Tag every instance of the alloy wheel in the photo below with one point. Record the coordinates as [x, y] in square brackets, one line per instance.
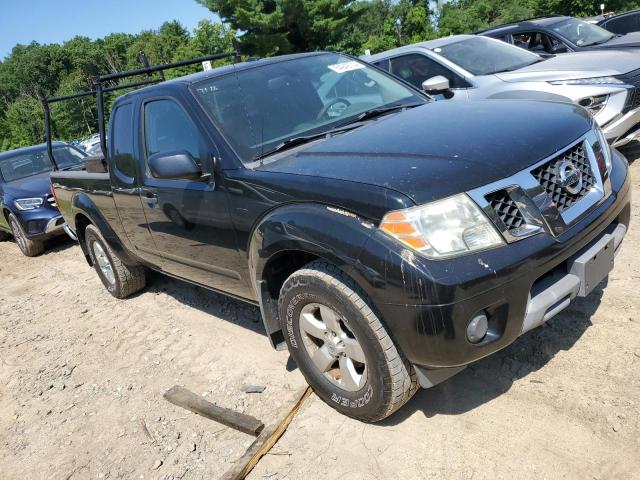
[104, 263]
[332, 347]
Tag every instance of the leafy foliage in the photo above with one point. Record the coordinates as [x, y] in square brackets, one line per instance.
[68, 68]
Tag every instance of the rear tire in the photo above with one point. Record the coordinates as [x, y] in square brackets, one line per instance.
[119, 279]
[341, 344]
[30, 248]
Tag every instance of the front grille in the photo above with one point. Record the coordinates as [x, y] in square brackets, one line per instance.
[548, 177]
[633, 99]
[506, 209]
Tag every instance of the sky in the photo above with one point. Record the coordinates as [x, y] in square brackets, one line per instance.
[54, 21]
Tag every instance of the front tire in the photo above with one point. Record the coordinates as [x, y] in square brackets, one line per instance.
[30, 248]
[341, 345]
[118, 278]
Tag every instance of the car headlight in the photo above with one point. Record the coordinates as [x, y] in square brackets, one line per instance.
[589, 81]
[602, 150]
[28, 203]
[594, 104]
[442, 229]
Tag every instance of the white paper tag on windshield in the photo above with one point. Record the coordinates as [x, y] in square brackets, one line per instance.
[346, 66]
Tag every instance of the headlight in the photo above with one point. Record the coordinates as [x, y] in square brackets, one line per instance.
[589, 81]
[446, 228]
[602, 150]
[594, 104]
[28, 203]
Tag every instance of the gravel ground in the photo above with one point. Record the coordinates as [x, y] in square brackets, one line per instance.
[82, 377]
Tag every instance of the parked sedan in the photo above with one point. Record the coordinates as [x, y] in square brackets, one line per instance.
[28, 209]
[468, 67]
[559, 34]
[622, 23]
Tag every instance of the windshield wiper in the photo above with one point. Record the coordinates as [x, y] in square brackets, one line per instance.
[376, 112]
[352, 123]
[295, 141]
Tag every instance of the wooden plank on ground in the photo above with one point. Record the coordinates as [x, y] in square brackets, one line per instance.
[184, 398]
[266, 440]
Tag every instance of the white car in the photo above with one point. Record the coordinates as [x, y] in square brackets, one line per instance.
[469, 67]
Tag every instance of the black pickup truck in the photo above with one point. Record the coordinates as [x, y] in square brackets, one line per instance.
[388, 240]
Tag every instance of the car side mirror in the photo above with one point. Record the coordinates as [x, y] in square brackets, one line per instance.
[179, 165]
[437, 84]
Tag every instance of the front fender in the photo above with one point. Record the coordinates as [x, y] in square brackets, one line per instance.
[323, 231]
[82, 204]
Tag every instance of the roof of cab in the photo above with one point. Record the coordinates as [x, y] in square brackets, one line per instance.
[187, 80]
[29, 149]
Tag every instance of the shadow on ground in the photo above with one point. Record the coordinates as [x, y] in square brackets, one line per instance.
[207, 301]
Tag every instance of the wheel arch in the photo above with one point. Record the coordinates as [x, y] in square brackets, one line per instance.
[288, 238]
[84, 213]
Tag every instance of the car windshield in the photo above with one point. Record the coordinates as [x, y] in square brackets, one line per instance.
[582, 33]
[24, 165]
[260, 108]
[485, 56]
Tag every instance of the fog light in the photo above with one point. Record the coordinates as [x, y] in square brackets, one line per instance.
[477, 328]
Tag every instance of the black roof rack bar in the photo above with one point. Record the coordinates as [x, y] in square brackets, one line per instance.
[91, 93]
[165, 66]
[98, 90]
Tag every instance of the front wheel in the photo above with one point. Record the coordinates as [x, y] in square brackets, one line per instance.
[119, 279]
[30, 248]
[341, 345]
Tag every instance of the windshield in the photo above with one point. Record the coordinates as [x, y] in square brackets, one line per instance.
[485, 56]
[582, 33]
[259, 108]
[24, 165]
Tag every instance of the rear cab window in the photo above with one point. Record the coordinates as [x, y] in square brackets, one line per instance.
[122, 140]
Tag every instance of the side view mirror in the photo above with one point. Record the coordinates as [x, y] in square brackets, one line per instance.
[174, 165]
[437, 84]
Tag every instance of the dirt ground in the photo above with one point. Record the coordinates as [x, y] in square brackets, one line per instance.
[82, 377]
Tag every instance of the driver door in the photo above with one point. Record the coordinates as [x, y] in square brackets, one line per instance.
[188, 219]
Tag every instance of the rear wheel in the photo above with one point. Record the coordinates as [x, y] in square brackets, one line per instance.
[30, 248]
[119, 279]
[342, 346]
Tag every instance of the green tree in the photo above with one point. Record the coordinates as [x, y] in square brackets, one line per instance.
[284, 26]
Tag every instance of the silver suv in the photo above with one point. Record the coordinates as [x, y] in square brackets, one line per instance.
[469, 67]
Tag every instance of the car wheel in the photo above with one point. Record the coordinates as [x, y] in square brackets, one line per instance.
[119, 279]
[30, 248]
[341, 344]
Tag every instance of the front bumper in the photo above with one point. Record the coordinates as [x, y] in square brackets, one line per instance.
[427, 305]
[41, 223]
[623, 130]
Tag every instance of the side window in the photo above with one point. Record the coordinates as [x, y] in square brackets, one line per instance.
[122, 140]
[416, 68]
[539, 42]
[622, 25]
[383, 64]
[168, 128]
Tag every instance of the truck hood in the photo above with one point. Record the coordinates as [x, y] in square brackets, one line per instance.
[33, 186]
[596, 63]
[441, 148]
